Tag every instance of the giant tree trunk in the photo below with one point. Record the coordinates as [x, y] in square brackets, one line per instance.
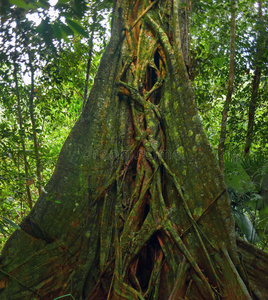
[137, 207]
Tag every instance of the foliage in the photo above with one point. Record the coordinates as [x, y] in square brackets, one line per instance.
[4, 222]
[59, 55]
[210, 30]
[245, 180]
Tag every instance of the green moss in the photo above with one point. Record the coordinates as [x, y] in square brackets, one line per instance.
[187, 197]
[195, 118]
[180, 151]
[151, 124]
[198, 138]
[197, 211]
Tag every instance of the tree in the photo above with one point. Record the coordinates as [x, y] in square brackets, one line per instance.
[32, 110]
[137, 207]
[230, 91]
[255, 85]
[210, 56]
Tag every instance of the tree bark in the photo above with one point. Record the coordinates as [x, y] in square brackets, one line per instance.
[184, 31]
[137, 207]
[254, 95]
[252, 109]
[229, 91]
[26, 169]
[36, 146]
[90, 50]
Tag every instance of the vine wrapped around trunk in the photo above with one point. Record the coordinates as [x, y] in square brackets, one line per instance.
[137, 207]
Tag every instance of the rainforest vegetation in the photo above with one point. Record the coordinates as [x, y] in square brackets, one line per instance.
[134, 149]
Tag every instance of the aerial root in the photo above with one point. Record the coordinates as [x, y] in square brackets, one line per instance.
[136, 232]
[132, 239]
[235, 272]
[194, 224]
[175, 237]
[180, 283]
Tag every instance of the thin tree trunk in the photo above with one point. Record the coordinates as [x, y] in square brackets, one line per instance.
[254, 95]
[36, 146]
[252, 109]
[137, 207]
[229, 91]
[20, 183]
[90, 50]
[27, 185]
[185, 37]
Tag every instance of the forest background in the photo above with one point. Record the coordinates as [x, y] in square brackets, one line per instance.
[49, 54]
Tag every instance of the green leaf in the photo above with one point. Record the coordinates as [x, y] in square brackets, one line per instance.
[45, 29]
[235, 175]
[57, 31]
[2, 229]
[12, 224]
[263, 215]
[62, 2]
[80, 7]
[77, 27]
[19, 3]
[44, 3]
[66, 30]
[246, 227]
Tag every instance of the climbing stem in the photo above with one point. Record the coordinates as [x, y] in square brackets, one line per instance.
[195, 226]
